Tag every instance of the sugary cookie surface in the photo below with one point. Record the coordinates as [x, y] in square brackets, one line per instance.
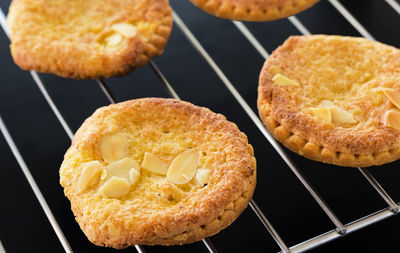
[334, 99]
[87, 39]
[157, 171]
[253, 10]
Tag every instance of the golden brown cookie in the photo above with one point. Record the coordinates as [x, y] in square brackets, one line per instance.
[157, 171]
[333, 99]
[253, 10]
[87, 39]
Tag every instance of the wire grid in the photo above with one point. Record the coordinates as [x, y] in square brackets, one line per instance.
[340, 230]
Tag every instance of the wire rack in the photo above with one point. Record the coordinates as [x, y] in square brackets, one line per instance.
[340, 228]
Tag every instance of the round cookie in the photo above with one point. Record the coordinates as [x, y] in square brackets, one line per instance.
[87, 39]
[253, 10]
[157, 171]
[333, 99]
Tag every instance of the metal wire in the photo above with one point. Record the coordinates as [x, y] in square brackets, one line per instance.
[106, 90]
[269, 226]
[395, 5]
[250, 37]
[379, 189]
[299, 25]
[351, 227]
[35, 188]
[209, 245]
[351, 19]
[163, 80]
[2, 249]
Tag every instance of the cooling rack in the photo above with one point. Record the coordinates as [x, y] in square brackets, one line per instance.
[340, 229]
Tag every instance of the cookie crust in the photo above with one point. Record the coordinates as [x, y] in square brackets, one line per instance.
[348, 71]
[165, 127]
[253, 10]
[67, 37]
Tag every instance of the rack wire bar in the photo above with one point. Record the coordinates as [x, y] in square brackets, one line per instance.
[268, 225]
[299, 25]
[351, 19]
[34, 187]
[351, 227]
[163, 80]
[395, 5]
[250, 37]
[2, 249]
[106, 90]
[379, 189]
[258, 123]
[210, 246]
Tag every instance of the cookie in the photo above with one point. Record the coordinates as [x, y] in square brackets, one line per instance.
[253, 10]
[87, 39]
[157, 171]
[333, 99]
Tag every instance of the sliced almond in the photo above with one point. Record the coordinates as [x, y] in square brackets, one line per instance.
[273, 70]
[114, 147]
[340, 116]
[134, 176]
[392, 119]
[90, 174]
[183, 167]
[326, 103]
[103, 174]
[125, 29]
[202, 177]
[393, 95]
[121, 169]
[113, 40]
[322, 113]
[153, 164]
[115, 187]
[279, 79]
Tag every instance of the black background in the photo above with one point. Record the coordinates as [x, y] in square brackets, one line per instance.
[296, 216]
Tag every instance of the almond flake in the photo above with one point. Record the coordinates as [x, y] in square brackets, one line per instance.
[340, 116]
[90, 174]
[279, 79]
[322, 113]
[183, 167]
[153, 164]
[121, 169]
[392, 119]
[113, 40]
[134, 176]
[393, 95]
[125, 29]
[202, 177]
[114, 147]
[115, 187]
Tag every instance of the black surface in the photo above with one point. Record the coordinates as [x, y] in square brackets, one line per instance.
[296, 216]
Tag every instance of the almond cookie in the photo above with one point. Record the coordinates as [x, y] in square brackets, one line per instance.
[333, 99]
[253, 10]
[157, 171]
[87, 39]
